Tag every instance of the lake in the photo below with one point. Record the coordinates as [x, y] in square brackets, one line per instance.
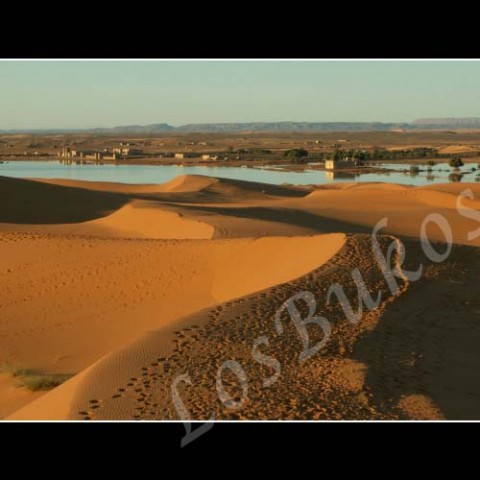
[441, 173]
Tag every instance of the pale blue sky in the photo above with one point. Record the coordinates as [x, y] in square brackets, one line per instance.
[69, 94]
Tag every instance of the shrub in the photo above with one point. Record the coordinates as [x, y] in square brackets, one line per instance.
[35, 380]
[42, 381]
[298, 155]
[456, 162]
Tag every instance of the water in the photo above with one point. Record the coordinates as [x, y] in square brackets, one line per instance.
[161, 174]
[439, 173]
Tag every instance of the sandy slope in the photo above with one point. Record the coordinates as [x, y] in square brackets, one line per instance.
[129, 381]
[68, 300]
[81, 293]
[13, 396]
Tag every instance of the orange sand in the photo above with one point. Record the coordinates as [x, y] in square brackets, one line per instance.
[88, 268]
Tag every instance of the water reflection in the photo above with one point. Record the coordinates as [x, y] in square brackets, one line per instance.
[455, 177]
[440, 173]
[340, 176]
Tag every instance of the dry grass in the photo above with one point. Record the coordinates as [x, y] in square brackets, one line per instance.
[34, 380]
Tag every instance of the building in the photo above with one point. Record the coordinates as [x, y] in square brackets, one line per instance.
[127, 151]
[207, 156]
[65, 152]
[92, 156]
[338, 164]
[186, 155]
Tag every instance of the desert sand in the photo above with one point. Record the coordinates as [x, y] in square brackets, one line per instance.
[125, 287]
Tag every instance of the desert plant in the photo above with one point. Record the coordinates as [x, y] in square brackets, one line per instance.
[35, 380]
[337, 155]
[41, 381]
[296, 153]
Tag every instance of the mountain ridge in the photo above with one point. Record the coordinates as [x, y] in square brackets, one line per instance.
[252, 127]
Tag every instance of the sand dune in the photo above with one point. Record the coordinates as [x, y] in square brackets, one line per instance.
[189, 183]
[144, 219]
[13, 396]
[454, 188]
[211, 188]
[137, 219]
[405, 208]
[272, 210]
[112, 187]
[101, 280]
[457, 149]
[68, 300]
[24, 201]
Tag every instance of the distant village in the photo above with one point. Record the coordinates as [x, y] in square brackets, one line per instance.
[124, 152]
[339, 157]
[97, 155]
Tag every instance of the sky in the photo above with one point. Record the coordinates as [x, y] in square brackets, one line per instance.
[85, 94]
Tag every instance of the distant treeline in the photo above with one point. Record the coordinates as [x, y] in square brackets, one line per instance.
[384, 154]
[409, 154]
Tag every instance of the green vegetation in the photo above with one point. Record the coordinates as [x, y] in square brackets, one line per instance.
[254, 151]
[35, 380]
[414, 169]
[298, 155]
[456, 162]
[383, 154]
[42, 381]
[431, 163]
[359, 155]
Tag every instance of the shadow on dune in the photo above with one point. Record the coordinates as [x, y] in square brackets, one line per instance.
[425, 345]
[222, 193]
[292, 217]
[228, 187]
[30, 202]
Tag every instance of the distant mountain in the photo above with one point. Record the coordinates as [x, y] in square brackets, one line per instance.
[288, 127]
[146, 129]
[454, 123]
[159, 128]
